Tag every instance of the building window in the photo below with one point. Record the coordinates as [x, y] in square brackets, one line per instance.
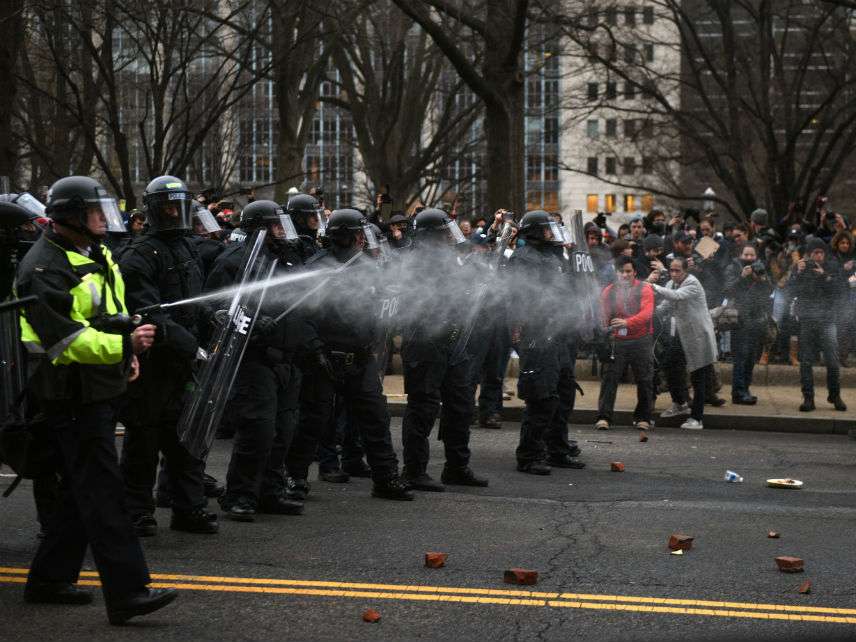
[629, 165]
[630, 90]
[611, 16]
[592, 90]
[649, 89]
[610, 165]
[551, 130]
[591, 165]
[647, 202]
[630, 202]
[611, 91]
[649, 53]
[591, 203]
[647, 165]
[592, 128]
[648, 15]
[609, 202]
[630, 128]
[611, 127]
[630, 16]
[629, 54]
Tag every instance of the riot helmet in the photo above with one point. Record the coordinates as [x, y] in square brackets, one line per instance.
[73, 198]
[434, 226]
[349, 227]
[307, 214]
[168, 205]
[269, 215]
[204, 221]
[538, 227]
[27, 201]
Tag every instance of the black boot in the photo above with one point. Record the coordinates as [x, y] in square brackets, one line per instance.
[493, 421]
[534, 468]
[38, 592]
[462, 477]
[280, 505]
[198, 521]
[358, 468]
[392, 488]
[241, 510]
[807, 404]
[146, 601]
[336, 476]
[838, 402]
[296, 489]
[564, 461]
[145, 525]
[423, 481]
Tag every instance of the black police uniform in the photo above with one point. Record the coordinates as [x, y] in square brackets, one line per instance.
[162, 267]
[343, 341]
[435, 373]
[545, 382]
[265, 400]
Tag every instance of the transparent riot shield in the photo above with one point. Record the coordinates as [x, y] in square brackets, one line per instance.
[584, 283]
[13, 375]
[204, 409]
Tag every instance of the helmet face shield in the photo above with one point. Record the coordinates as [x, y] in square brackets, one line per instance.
[556, 234]
[372, 242]
[206, 220]
[456, 233]
[288, 227]
[170, 211]
[111, 213]
[31, 204]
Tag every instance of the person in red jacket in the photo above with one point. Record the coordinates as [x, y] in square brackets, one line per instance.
[628, 311]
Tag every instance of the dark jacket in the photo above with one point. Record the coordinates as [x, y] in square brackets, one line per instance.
[818, 295]
[73, 360]
[750, 295]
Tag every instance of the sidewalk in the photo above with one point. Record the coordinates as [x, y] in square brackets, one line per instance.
[776, 409]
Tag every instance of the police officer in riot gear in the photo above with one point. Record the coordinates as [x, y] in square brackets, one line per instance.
[265, 400]
[539, 328]
[308, 217]
[162, 266]
[345, 333]
[79, 373]
[435, 371]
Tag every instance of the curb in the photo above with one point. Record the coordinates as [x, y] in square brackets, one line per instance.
[712, 420]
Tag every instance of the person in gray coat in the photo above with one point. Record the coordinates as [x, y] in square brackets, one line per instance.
[693, 343]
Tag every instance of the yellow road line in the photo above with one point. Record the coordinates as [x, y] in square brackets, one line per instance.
[476, 596]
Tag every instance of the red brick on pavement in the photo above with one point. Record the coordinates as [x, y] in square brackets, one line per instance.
[435, 560]
[789, 564]
[520, 576]
[680, 542]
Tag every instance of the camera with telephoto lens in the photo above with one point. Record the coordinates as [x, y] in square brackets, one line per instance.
[759, 269]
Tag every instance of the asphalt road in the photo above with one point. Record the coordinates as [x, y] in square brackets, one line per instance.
[592, 535]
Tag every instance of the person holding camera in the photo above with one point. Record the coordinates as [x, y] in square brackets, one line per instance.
[818, 285]
[748, 287]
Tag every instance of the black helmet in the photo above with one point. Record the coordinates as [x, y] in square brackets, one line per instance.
[27, 201]
[70, 197]
[301, 207]
[345, 224]
[168, 204]
[260, 214]
[533, 224]
[434, 224]
[12, 215]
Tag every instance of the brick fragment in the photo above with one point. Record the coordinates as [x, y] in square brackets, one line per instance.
[789, 564]
[617, 467]
[679, 541]
[520, 576]
[773, 535]
[805, 587]
[435, 560]
[643, 437]
[371, 616]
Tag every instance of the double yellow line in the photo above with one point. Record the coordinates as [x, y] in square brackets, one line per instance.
[463, 595]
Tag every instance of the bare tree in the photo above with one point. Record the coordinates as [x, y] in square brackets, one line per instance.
[404, 100]
[488, 58]
[11, 39]
[144, 84]
[758, 100]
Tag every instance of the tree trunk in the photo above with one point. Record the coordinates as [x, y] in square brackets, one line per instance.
[11, 38]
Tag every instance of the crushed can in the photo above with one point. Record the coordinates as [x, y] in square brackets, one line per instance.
[731, 476]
